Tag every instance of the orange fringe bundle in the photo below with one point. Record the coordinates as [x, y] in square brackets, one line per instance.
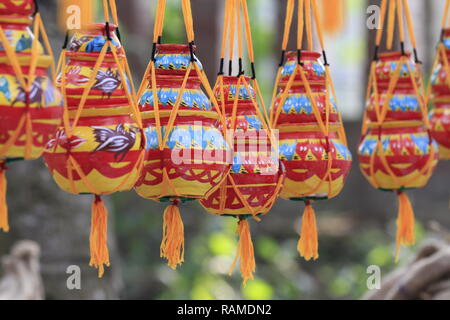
[308, 244]
[3, 204]
[98, 237]
[245, 252]
[172, 245]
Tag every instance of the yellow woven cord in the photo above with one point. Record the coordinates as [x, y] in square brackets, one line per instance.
[287, 27]
[405, 223]
[172, 245]
[3, 204]
[446, 14]
[382, 22]
[245, 252]
[399, 9]
[236, 18]
[25, 121]
[308, 25]
[308, 244]
[98, 237]
[311, 10]
[242, 80]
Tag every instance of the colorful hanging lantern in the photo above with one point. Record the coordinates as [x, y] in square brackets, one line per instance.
[396, 150]
[440, 92]
[186, 154]
[100, 148]
[255, 179]
[313, 147]
[30, 106]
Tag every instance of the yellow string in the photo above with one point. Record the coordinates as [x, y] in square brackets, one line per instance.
[391, 25]
[308, 24]
[382, 20]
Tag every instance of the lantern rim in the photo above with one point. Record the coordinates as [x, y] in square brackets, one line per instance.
[174, 48]
[393, 55]
[308, 54]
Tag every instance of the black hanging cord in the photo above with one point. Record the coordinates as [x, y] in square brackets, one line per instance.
[191, 50]
[253, 70]
[375, 56]
[283, 55]
[107, 31]
[66, 40]
[402, 48]
[36, 7]
[230, 67]
[325, 59]
[220, 73]
[154, 51]
[299, 57]
[118, 34]
[159, 39]
[241, 69]
[416, 56]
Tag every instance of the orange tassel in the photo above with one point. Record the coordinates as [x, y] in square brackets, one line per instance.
[405, 223]
[308, 245]
[172, 245]
[99, 236]
[3, 205]
[245, 252]
[332, 16]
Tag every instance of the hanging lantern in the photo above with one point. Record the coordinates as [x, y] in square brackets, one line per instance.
[100, 148]
[313, 147]
[440, 94]
[396, 150]
[30, 106]
[186, 154]
[254, 181]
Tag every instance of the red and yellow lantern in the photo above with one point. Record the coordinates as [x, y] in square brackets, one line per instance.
[100, 148]
[186, 154]
[30, 106]
[440, 93]
[313, 146]
[255, 179]
[397, 151]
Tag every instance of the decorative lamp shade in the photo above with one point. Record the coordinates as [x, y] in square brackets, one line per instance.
[313, 146]
[303, 146]
[172, 172]
[440, 97]
[251, 187]
[186, 154]
[396, 151]
[30, 106]
[255, 179]
[106, 142]
[100, 149]
[405, 156]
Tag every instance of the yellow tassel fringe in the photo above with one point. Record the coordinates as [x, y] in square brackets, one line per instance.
[308, 245]
[245, 252]
[405, 223]
[99, 236]
[4, 225]
[172, 245]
